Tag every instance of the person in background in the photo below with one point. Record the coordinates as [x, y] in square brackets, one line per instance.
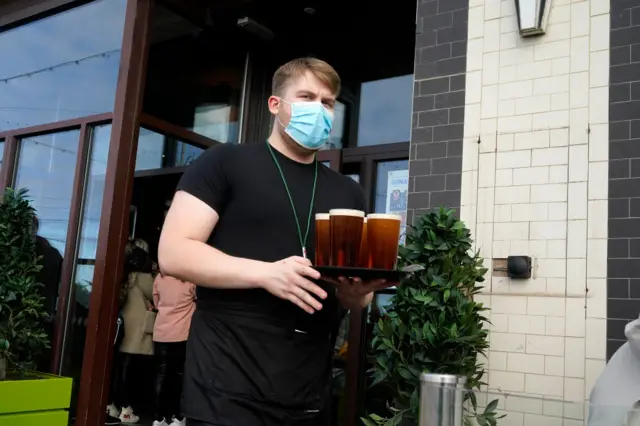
[175, 302]
[615, 398]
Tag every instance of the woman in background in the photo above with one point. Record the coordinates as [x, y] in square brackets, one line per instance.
[175, 302]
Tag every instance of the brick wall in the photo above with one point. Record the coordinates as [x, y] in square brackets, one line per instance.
[534, 182]
[438, 105]
[624, 171]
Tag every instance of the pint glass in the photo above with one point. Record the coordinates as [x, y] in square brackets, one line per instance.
[323, 240]
[383, 233]
[363, 256]
[346, 236]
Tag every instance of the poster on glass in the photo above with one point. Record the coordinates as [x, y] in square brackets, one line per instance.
[397, 194]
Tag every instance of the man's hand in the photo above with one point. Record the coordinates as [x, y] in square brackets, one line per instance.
[287, 279]
[354, 293]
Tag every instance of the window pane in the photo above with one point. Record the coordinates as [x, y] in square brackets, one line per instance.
[157, 151]
[194, 78]
[58, 68]
[385, 111]
[1, 154]
[392, 188]
[337, 131]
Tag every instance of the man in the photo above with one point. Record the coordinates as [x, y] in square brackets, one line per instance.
[241, 226]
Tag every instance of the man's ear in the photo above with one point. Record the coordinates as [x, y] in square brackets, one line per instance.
[274, 104]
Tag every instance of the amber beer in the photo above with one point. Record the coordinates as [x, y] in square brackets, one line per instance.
[346, 236]
[363, 256]
[323, 240]
[383, 233]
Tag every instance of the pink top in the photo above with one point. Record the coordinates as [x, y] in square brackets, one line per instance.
[175, 302]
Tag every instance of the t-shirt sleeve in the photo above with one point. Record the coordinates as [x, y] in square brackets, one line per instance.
[206, 178]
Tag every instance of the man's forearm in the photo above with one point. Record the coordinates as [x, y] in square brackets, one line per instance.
[201, 264]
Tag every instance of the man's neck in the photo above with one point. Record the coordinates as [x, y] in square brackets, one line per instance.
[285, 148]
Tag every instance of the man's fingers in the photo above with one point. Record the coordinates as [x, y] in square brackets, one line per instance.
[300, 259]
[307, 271]
[311, 288]
[296, 301]
[306, 298]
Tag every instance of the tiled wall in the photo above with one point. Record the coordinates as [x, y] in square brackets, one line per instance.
[438, 105]
[534, 182]
[624, 171]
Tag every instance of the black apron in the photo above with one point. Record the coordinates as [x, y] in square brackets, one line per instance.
[248, 368]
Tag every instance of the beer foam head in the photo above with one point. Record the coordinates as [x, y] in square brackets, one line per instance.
[346, 212]
[384, 216]
[322, 216]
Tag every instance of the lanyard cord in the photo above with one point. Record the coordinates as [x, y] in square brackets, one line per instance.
[303, 240]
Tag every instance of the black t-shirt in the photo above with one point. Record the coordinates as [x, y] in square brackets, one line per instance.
[252, 358]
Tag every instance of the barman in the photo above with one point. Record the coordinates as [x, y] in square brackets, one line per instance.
[241, 226]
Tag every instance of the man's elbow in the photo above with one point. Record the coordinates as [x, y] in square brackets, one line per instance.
[167, 259]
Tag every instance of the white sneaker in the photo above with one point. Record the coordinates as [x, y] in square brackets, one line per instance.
[176, 422]
[113, 411]
[127, 416]
[162, 423]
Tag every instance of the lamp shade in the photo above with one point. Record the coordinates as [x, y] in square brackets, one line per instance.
[532, 16]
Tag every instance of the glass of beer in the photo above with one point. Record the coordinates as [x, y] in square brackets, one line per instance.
[346, 236]
[383, 234]
[323, 240]
[363, 256]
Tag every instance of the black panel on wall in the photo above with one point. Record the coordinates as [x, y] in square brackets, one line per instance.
[623, 284]
[438, 105]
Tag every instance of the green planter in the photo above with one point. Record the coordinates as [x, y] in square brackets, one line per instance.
[39, 399]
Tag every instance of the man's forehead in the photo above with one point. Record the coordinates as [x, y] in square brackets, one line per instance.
[310, 83]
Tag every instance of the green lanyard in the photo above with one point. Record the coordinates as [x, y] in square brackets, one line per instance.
[303, 239]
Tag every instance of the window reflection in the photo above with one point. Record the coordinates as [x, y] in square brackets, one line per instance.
[157, 151]
[1, 154]
[392, 189]
[58, 69]
[385, 111]
[336, 138]
[194, 78]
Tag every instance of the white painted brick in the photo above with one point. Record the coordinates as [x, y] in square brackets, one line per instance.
[552, 268]
[599, 69]
[530, 71]
[541, 420]
[486, 168]
[512, 194]
[559, 137]
[544, 385]
[506, 381]
[490, 101]
[545, 345]
[561, 65]
[505, 142]
[501, 249]
[538, 139]
[574, 411]
[599, 105]
[548, 230]
[546, 306]
[597, 298]
[557, 211]
[490, 66]
[552, 50]
[599, 143]
[577, 207]
[580, 19]
[523, 404]
[516, 89]
[559, 101]
[574, 388]
[558, 174]
[593, 369]
[508, 8]
[508, 74]
[473, 88]
[538, 249]
[554, 326]
[576, 239]
[598, 215]
[502, 214]
[507, 342]
[560, 14]
[500, 322]
[509, 304]
[574, 357]
[471, 121]
[554, 365]
[526, 324]
[550, 120]
[506, 108]
[504, 177]
[508, 25]
[513, 159]
[476, 22]
[560, 31]
[597, 258]
[599, 7]
[492, 35]
[599, 33]
[548, 193]
[474, 55]
[553, 408]
[487, 143]
[485, 205]
[505, 231]
[490, 125]
[579, 90]
[579, 126]
[580, 54]
[598, 180]
[548, 85]
[578, 163]
[533, 104]
[518, 55]
[529, 212]
[509, 40]
[525, 363]
[497, 360]
[512, 418]
[519, 247]
[550, 156]
[557, 249]
[520, 123]
[576, 277]
[596, 338]
[530, 175]
[492, 9]
[576, 326]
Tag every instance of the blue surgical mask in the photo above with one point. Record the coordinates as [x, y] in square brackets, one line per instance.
[310, 124]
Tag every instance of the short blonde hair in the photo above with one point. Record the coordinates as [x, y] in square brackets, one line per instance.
[298, 67]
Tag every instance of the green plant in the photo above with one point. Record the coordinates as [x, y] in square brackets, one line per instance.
[432, 323]
[21, 305]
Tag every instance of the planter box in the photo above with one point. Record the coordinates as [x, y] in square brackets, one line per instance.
[39, 399]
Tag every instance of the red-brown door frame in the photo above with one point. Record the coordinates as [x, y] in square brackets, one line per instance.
[114, 223]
